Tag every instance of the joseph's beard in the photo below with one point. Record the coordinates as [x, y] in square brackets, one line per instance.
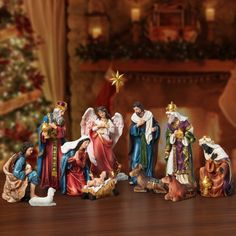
[139, 114]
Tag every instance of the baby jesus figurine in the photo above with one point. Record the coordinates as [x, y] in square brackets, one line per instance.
[95, 182]
[99, 187]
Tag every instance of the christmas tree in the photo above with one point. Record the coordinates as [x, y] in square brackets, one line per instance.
[22, 104]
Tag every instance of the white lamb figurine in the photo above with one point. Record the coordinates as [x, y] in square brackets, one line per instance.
[44, 201]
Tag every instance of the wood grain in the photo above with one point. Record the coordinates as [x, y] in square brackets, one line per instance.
[128, 213]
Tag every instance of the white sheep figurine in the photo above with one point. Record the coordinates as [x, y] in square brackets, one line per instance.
[44, 201]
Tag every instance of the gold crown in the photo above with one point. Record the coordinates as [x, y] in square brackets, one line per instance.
[62, 105]
[171, 107]
[208, 139]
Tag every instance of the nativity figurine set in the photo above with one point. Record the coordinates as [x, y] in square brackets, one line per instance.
[87, 167]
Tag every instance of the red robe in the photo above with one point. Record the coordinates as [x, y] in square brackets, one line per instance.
[217, 180]
[75, 176]
[103, 152]
[50, 178]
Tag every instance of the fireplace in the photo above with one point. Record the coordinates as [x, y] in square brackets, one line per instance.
[194, 87]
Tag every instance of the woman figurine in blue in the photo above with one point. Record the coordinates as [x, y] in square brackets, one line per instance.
[74, 169]
[144, 134]
[19, 174]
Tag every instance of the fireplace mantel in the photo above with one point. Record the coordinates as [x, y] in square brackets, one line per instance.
[148, 65]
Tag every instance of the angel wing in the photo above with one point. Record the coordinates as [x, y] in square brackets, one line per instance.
[87, 121]
[86, 124]
[118, 122]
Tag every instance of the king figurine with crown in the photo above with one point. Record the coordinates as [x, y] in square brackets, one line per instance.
[178, 151]
[215, 177]
[51, 138]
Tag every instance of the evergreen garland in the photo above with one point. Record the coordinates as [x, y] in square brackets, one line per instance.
[173, 50]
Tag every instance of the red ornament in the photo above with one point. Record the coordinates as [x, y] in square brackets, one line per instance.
[4, 62]
[36, 78]
[23, 89]
[23, 24]
[19, 132]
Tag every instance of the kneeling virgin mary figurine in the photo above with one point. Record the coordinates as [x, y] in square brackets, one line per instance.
[74, 166]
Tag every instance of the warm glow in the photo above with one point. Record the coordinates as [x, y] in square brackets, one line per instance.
[96, 32]
[210, 14]
[135, 14]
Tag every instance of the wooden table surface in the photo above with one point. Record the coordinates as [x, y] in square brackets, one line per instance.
[128, 213]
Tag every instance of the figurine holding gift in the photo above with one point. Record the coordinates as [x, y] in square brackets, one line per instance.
[216, 175]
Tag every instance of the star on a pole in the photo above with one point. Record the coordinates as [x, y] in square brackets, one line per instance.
[118, 80]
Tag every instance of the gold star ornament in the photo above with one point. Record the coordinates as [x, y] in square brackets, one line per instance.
[118, 80]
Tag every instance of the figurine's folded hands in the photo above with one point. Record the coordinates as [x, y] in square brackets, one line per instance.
[102, 125]
[28, 169]
[140, 122]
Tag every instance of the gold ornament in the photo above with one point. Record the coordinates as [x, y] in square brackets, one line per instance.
[48, 131]
[45, 130]
[207, 139]
[171, 107]
[207, 184]
[117, 80]
[179, 134]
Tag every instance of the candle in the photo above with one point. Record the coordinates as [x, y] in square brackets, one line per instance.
[96, 32]
[210, 14]
[135, 14]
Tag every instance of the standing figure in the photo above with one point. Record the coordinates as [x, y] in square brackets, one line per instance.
[216, 175]
[18, 175]
[178, 151]
[51, 138]
[104, 133]
[74, 169]
[144, 134]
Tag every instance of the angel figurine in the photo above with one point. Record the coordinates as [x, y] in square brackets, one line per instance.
[104, 132]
